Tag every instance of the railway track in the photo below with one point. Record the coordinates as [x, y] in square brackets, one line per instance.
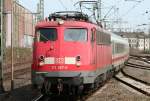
[141, 58]
[132, 77]
[140, 62]
[132, 65]
[131, 81]
[38, 98]
[134, 83]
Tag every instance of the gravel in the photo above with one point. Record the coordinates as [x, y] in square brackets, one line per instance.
[20, 94]
[116, 91]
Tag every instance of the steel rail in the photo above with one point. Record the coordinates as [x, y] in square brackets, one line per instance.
[132, 77]
[131, 85]
[39, 98]
[137, 66]
[141, 59]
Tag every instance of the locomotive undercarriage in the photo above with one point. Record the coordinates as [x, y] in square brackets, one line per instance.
[74, 86]
[62, 86]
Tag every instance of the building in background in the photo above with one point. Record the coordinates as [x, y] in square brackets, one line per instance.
[22, 24]
[137, 40]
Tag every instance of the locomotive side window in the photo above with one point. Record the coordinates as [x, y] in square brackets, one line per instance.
[75, 34]
[47, 34]
[102, 38]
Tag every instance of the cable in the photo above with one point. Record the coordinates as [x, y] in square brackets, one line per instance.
[63, 5]
[130, 9]
[107, 13]
[72, 3]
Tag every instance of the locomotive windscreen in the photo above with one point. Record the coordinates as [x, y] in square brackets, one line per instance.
[46, 34]
[75, 34]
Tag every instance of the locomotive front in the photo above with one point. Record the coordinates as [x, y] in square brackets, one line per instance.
[61, 55]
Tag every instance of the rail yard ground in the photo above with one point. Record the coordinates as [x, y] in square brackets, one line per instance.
[113, 90]
[24, 93]
[116, 91]
[142, 74]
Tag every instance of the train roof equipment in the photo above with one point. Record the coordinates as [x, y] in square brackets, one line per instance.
[68, 15]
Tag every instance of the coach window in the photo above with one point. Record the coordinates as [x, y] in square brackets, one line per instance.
[75, 34]
[46, 34]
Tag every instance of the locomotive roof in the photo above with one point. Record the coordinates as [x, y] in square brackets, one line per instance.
[68, 23]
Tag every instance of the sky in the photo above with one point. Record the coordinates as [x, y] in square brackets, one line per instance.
[132, 12]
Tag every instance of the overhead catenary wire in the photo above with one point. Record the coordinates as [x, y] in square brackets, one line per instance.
[108, 13]
[63, 5]
[130, 9]
[72, 3]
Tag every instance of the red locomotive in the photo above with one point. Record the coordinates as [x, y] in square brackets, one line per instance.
[72, 54]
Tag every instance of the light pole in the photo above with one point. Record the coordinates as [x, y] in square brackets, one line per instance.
[99, 10]
[1, 48]
[12, 31]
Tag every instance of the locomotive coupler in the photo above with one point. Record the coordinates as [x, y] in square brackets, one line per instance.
[60, 86]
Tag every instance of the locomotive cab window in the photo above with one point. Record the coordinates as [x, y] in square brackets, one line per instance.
[75, 34]
[47, 34]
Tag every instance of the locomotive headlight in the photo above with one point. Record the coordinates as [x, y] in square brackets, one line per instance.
[78, 61]
[41, 60]
[78, 58]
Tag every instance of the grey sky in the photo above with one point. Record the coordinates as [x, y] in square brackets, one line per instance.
[132, 12]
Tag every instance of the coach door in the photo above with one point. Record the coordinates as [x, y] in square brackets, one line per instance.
[93, 46]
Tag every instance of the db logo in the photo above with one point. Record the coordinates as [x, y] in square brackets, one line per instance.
[59, 60]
